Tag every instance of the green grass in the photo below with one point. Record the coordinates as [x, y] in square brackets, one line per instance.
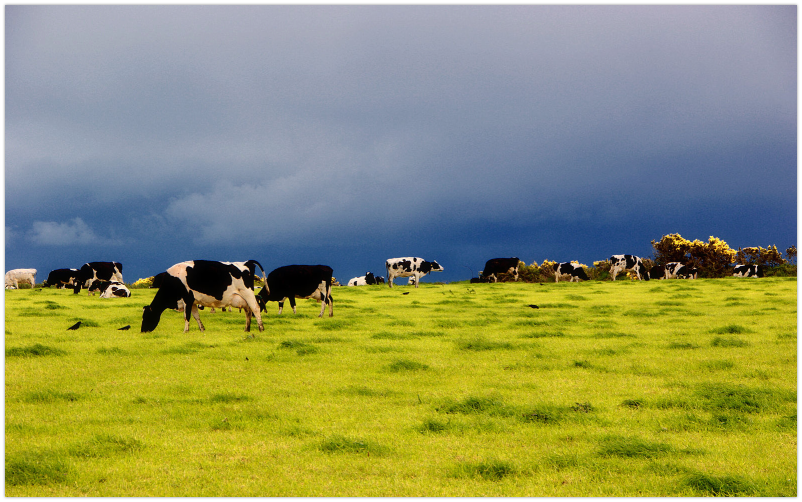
[676, 388]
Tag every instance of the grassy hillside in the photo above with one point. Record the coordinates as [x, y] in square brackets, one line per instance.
[669, 388]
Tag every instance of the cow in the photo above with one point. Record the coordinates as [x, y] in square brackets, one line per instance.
[410, 267]
[202, 283]
[672, 268]
[657, 272]
[687, 272]
[412, 281]
[61, 278]
[298, 281]
[97, 270]
[748, 271]
[110, 289]
[20, 275]
[572, 270]
[365, 280]
[624, 262]
[497, 266]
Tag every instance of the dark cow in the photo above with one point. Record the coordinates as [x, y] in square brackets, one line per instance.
[365, 280]
[573, 270]
[410, 267]
[687, 272]
[657, 272]
[748, 271]
[624, 262]
[298, 281]
[204, 283]
[97, 270]
[496, 266]
[61, 278]
[110, 289]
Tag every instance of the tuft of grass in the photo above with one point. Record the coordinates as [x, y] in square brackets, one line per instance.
[728, 342]
[741, 398]
[547, 415]
[720, 486]
[620, 446]
[227, 397]
[342, 444]
[731, 329]
[105, 445]
[37, 468]
[301, 348]
[49, 396]
[481, 344]
[406, 365]
[471, 405]
[682, 345]
[35, 350]
[632, 403]
[490, 470]
[434, 426]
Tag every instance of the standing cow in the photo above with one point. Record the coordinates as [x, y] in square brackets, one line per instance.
[410, 267]
[573, 271]
[298, 281]
[497, 266]
[20, 275]
[204, 283]
[624, 262]
[97, 270]
[61, 278]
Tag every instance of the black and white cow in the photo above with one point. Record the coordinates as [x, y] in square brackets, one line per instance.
[687, 272]
[204, 283]
[110, 289]
[623, 262]
[365, 280]
[410, 267]
[672, 268]
[657, 272]
[14, 277]
[97, 270]
[573, 271]
[298, 281]
[61, 278]
[748, 271]
[496, 266]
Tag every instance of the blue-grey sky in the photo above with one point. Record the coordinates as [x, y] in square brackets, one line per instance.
[346, 135]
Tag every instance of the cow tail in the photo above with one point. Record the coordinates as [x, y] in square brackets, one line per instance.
[264, 278]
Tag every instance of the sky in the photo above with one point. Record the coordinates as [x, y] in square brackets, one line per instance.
[347, 135]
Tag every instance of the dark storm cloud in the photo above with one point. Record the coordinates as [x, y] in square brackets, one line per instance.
[283, 125]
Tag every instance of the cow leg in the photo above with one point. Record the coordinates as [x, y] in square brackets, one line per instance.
[251, 309]
[292, 303]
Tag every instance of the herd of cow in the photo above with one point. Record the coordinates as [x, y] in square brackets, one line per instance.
[215, 284]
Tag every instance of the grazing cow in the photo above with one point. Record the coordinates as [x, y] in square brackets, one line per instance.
[478, 280]
[748, 271]
[657, 272]
[496, 266]
[298, 281]
[204, 283]
[379, 279]
[672, 268]
[687, 272]
[572, 270]
[624, 262]
[97, 270]
[110, 289]
[61, 278]
[367, 279]
[20, 275]
[410, 267]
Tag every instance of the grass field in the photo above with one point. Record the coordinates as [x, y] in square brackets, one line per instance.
[660, 388]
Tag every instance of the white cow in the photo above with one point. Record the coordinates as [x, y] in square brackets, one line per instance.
[20, 275]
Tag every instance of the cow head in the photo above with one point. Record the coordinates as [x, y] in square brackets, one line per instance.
[370, 278]
[435, 267]
[261, 297]
[150, 319]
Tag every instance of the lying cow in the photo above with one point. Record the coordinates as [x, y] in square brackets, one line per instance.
[410, 267]
[748, 271]
[496, 266]
[365, 280]
[20, 275]
[204, 283]
[573, 271]
[298, 281]
[61, 278]
[97, 271]
[110, 289]
[624, 262]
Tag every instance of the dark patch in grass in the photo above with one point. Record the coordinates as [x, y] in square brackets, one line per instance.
[104, 445]
[717, 365]
[50, 396]
[619, 446]
[530, 323]
[682, 345]
[471, 405]
[632, 403]
[728, 342]
[406, 365]
[361, 390]
[547, 415]
[106, 351]
[301, 348]
[557, 306]
[35, 350]
[433, 426]
[740, 398]
[386, 335]
[575, 297]
[226, 397]
[334, 324]
[720, 486]
[543, 334]
[187, 348]
[731, 329]
[480, 344]
[341, 444]
[582, 364]
[582, 407]
[37, 468]
[612, 334]
[490, 470]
